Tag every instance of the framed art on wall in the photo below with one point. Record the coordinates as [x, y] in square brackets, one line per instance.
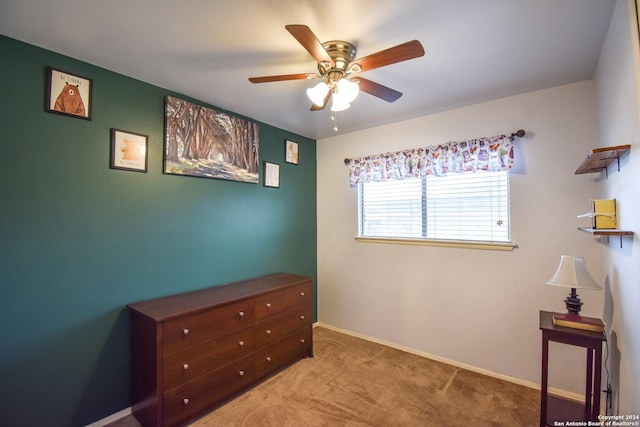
[129, 151]
[204, 142]
[291, 152]
[271, 174]
[68, 94]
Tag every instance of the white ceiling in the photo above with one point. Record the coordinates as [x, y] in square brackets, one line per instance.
[476, 50]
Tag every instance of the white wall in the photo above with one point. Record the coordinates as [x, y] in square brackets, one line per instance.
[618, 93]
[475, 307]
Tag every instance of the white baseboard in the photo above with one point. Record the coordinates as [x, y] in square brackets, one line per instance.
[558, 392]
[111, 418]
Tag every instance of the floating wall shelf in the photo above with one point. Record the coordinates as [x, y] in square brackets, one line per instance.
[600, 158]
[606, 232]
[597, 160]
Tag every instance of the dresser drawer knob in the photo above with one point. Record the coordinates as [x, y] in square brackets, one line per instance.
[268, 359]
[241, 314]
[268, 331]
[241, 373]
[185, 331]
[301, 294]
[185, 401]
[302, 317]
[240, 343]
[302, 341]
[185, 366]
[268, 305]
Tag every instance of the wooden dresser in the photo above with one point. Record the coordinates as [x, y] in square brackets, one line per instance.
[191, 351]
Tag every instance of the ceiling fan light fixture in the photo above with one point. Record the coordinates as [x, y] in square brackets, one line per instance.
[348, 90]
[354, 67]
[318, 93]
[338, 103]
[336, 62]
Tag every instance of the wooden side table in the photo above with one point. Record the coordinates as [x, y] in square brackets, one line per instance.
[554, 408]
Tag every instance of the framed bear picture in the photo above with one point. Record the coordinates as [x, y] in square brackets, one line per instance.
[68, 94]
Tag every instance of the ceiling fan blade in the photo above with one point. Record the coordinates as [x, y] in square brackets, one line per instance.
[399, 53]
[309, 41]
[315, 107]
[376, 89]
[283, 77]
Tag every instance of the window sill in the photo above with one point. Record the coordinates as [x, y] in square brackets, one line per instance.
[465, 244]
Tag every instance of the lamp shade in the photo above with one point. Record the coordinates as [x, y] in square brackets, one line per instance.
[348, 90]
[317, 93]
[572, 273]
[338, 104]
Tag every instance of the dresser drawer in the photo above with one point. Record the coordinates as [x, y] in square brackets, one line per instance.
[194, 328]
[277, 327]
[282, 353]
[183, 402]
[186, 365]
[281, 301]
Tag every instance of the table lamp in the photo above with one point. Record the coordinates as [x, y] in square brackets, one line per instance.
[573, 274]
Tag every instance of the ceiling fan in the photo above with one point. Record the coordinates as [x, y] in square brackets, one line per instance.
[338, 67]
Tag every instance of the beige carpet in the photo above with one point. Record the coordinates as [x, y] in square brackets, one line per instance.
[354, 382]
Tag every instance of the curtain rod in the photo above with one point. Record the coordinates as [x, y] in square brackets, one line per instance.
[519, 133]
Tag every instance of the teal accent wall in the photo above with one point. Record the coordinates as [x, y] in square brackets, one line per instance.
[79, 241]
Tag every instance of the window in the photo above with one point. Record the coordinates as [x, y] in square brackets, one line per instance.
[461, 206]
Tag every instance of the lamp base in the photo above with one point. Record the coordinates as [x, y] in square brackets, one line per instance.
[573, 303]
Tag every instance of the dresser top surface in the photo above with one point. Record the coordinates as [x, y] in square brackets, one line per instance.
[167, 307]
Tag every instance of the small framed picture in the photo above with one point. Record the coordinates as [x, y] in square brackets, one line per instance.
[291, 152]
[68, 94]
[129, 151]
[271, 174]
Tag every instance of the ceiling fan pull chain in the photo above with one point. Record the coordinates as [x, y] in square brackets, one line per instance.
[334, 119]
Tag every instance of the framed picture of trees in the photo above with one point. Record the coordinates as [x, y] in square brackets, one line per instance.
[203, 142]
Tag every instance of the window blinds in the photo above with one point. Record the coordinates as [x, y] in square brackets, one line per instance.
[468, 207]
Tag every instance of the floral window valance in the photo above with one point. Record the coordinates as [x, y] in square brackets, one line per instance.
[482, 154]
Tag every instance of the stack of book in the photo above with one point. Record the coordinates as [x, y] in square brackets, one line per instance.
[578, 322]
